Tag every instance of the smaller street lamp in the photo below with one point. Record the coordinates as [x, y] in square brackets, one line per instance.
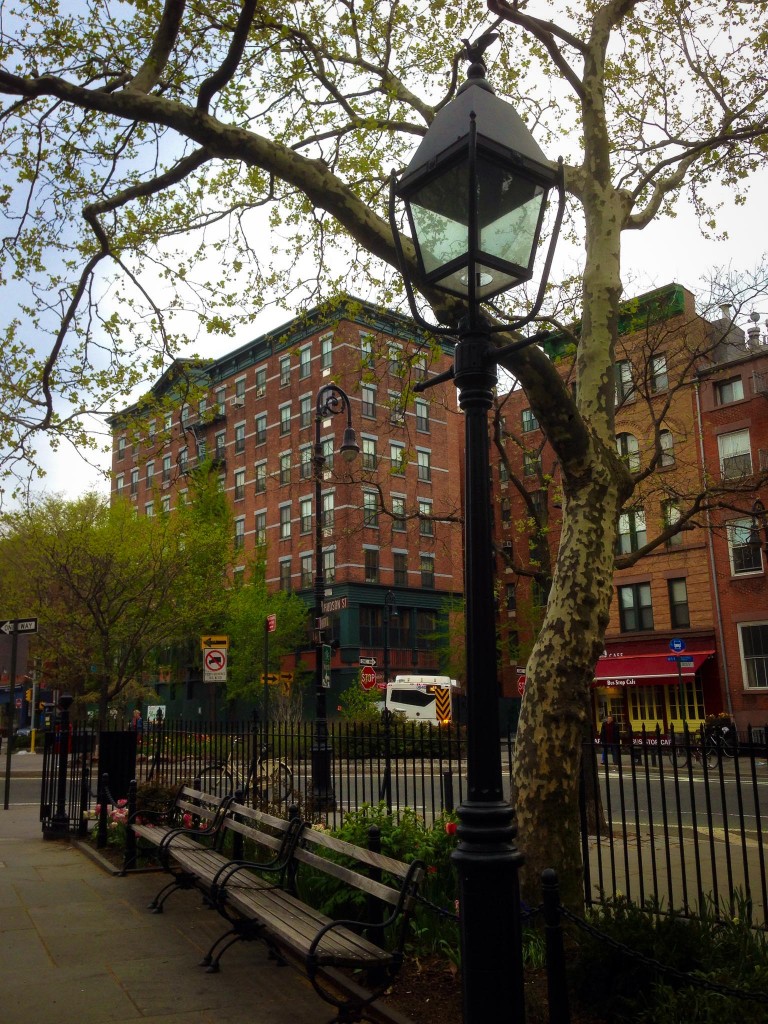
[331, 401]
[759, 522]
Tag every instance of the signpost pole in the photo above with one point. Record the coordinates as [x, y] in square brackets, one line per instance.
[9, 719]
[266, 674]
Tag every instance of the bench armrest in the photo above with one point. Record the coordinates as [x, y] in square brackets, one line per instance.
[225, 873]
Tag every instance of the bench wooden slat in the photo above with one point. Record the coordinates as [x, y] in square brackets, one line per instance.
[348, 875]
[316, 837]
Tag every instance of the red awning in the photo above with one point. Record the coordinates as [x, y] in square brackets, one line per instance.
[647, 669]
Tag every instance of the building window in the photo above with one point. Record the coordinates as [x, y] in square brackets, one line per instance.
[307, 577]
[659, 378]
[625, 388]
[328, 453]
[398, 513]
[395, 364]
[506, 511]
[426, 522]
[328, 512]
[261, 382]
[134, 481]
[240, 485]
[260, 527]
[305, 463]
[285, 468]
[326, 351]
[120, 484]
[370, 508]
[239, 533]
[285, 371]
[540, 592]
[166, 469]
[667, 446]
[305, 362]
[396, 410]
[221, 404]
[531, 464]
[427, 566]
[631, 533]
[735, 454]
[424, 466]
[329, 565]
[529, 421]
[240, 437]
[419, 368]
[165, 504]
[261, 428]
[371, 565]
[511, 597]
[305, 411]
[240, 388]
[371, 626]
[753, 638]
[670, 514]
[285, 419]
[635, 608]
[397, 458]
[745, 557]
[400, 565]
[727, 391]
[149, 508]
[285, 574]
[369, 454]
[305, 515]
[221, 445]
[427, 637]
[422, 416]
[185, 416]
[678, 603]
[285, 522]
[121, 447]
[150, 475]
[629, 451]
[366, 351]
[369, 401]
[503, 473]
[261, 477]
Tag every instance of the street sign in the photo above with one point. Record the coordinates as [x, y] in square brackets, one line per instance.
[271, 623]
[215, 665]
[9, 626]
[682, 659]
[207, 642]
[333, 604]
[368, 677]
[368, 661]
[677, 645]
[272, 679]
[326, 680]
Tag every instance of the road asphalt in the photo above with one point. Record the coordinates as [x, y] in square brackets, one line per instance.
[78, 945]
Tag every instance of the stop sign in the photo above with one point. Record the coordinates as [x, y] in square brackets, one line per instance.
[521, 685]
[368, 677]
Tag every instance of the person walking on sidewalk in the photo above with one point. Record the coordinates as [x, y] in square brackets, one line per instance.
[609, 739]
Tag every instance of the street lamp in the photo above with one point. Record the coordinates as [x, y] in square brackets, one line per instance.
[390, 612]
[331, 401]
[759, 522]
[475, 194]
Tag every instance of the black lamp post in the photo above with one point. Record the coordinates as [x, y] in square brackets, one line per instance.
[759, 522]
[331, 401]
[390, 612]
[475, 195]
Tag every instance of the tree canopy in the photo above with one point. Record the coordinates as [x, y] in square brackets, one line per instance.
[112, 591]
[171, 169]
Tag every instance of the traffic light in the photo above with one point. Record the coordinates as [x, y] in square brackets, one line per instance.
[28, 695]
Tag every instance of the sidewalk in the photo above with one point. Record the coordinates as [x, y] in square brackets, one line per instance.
[78, 946]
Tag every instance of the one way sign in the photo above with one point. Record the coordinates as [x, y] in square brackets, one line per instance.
[9, 626]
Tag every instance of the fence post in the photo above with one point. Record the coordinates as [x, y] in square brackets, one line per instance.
[557, 982]
[101, 836]
[448, 803]
[85, 783]
[129, 861]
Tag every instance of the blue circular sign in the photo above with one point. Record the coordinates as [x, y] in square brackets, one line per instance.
[677, 645]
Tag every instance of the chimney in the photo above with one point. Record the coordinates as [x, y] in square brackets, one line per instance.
[725, 309]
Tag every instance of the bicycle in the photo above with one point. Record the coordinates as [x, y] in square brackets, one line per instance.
[272, 779]
[706, 749]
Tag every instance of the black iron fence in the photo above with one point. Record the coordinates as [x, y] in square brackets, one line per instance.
[666, 818]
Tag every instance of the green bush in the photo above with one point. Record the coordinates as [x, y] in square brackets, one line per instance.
[621, 988]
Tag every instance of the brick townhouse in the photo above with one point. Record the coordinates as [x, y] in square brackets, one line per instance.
[391, 520]
[691, 394]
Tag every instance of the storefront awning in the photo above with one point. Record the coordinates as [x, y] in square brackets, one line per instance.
[648, 669]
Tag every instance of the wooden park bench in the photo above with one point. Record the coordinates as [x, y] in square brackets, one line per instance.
[258, 887]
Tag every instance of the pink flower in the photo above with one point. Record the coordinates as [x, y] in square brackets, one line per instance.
[98, 808]
[431, 869]
[122, 803]
[187, 820]
[450, 828]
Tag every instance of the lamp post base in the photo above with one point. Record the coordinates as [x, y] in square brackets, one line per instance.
[321, 792]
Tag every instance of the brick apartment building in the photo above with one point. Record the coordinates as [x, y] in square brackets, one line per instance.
[391, 520]
[689, 394]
